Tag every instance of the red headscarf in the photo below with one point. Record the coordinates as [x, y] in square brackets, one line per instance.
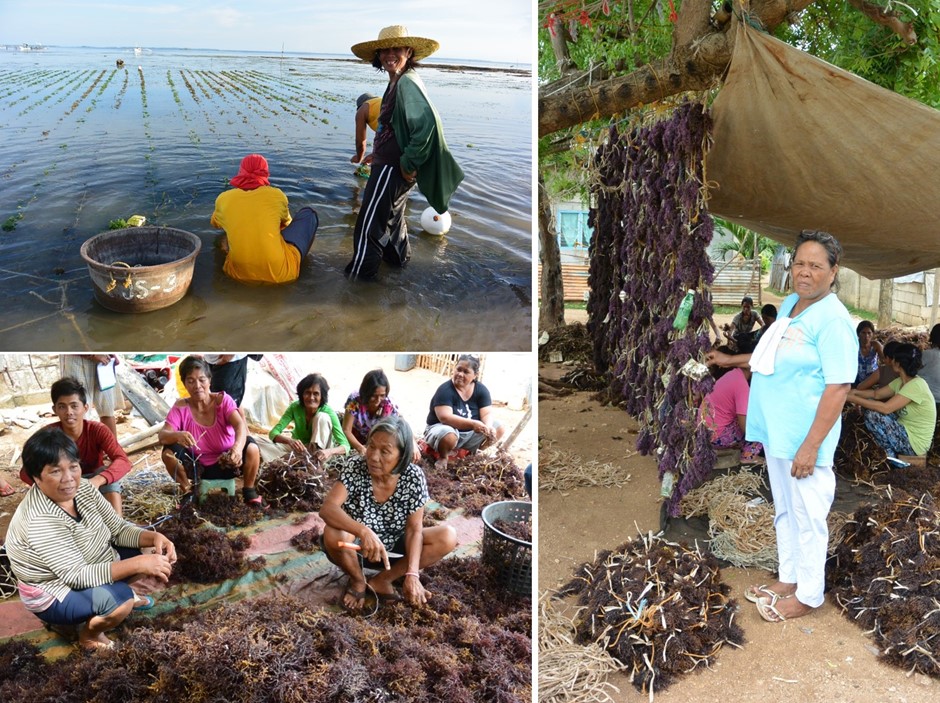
[253, 173]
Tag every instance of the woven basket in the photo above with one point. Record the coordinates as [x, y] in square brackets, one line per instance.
[509, 556]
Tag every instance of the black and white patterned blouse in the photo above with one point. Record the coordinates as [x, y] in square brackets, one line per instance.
[386, 519]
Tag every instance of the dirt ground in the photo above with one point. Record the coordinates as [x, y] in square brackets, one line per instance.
[821, 657]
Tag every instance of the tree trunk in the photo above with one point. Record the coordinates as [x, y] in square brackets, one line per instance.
[552, 304]
[885, 302]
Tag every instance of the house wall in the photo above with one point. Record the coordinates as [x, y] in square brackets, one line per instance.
[912, 301]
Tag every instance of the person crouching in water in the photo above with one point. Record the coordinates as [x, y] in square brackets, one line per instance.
[265, 245]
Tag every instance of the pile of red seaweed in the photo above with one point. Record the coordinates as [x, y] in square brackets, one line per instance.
[658, 607]
[472, 645]
[222, 510]
[651, 233]
[475, 481]
[204, 554]
[915, 480]
[293, 483]
[308, 540]
[884, 575]
[520, 529]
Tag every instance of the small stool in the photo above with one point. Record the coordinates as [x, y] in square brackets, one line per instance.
[207, 485]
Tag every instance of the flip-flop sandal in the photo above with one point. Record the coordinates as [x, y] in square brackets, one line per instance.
[768, 610]
[752, 593]
[143, 602]
[92, 647]
[363, 596]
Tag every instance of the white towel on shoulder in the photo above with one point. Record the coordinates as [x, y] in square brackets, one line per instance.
[762, 359]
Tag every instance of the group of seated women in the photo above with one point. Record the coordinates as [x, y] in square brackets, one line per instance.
[898, 386]
[76, 559]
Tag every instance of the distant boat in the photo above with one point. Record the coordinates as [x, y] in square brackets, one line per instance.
[24, 47]
[138, 51]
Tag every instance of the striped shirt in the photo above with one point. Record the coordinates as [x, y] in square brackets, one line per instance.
[54, 552]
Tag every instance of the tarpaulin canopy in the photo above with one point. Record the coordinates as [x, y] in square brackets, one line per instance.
[800, 144]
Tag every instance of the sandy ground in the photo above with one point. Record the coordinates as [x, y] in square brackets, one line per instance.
[820, 657]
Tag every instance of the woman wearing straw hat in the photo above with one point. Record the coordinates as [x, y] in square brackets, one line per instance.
[409, 148]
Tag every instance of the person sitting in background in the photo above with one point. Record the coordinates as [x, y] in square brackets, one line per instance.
[885, 372]
[367, 113]
[316, 427]
[74, 559]
[379, 500]
[869, 349]
[205, 437]
[902, 415]
[930, 371]
[461, 416]
[265, 245]
[742, 325]
[768, 315]
[724, 412]
[94, 440]
[365, 407]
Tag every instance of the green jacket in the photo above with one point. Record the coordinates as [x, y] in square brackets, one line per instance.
[420, 137]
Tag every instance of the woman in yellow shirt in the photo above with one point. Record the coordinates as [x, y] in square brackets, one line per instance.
[265, 245]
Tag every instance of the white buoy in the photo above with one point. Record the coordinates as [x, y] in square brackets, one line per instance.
[434, 223]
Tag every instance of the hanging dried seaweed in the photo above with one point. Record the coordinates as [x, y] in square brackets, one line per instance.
[658, 607]
[278, 649]
[649, 247]
[308, 540]
[295, 482]
[475, 481]
[884, 576]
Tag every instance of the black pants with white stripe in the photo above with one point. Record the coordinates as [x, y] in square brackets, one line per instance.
[381, 230]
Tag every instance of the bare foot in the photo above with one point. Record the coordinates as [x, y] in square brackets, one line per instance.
[91, 644]
[441, 464]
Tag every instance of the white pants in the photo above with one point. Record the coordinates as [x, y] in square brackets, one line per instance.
[801, 507]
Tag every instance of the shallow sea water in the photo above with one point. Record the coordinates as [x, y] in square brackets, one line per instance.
[83, 142]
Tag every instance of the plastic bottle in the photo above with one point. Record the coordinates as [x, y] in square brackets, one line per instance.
[685, 309]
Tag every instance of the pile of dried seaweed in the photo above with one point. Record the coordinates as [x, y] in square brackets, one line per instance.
[572, 341]
[278, 649]
[206, 555]
[658, 607]
[475, 481]
[914, 479]
[858, 455]
[308, 540]
[222, 510]
[584, 378]
[884, 575]
[295, 482]
[560, 470]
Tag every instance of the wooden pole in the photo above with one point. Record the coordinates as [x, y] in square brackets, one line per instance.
[144, 434]
[515, 433]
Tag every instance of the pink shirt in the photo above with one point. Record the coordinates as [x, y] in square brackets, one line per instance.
[727, 400]
[211, 442]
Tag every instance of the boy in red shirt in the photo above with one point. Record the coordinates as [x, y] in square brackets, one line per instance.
[95, 441]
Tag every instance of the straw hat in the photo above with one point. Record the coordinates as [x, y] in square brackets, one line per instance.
[396, 35]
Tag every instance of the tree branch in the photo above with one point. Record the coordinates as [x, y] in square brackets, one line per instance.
[887, 18]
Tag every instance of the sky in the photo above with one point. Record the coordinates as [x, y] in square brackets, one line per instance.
[483, 30]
